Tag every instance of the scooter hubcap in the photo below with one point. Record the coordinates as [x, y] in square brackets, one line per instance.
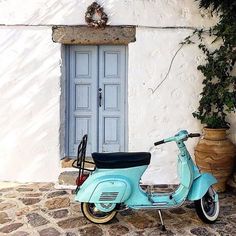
[105, 207]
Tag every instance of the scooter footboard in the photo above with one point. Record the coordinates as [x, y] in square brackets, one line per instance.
[200, 186]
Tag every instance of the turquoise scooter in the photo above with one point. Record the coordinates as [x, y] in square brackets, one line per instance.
[114, 184]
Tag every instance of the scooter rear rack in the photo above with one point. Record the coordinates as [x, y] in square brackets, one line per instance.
[80, 162]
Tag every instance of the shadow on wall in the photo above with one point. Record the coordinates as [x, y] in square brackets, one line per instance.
[52, 11]
[30, 89]
[29, 104]
[48, 12]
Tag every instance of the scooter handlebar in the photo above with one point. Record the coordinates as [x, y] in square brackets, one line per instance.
[180, 136]
[193, 135]
[159, 142]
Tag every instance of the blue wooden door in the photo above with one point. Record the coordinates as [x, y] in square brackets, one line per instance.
[96, 95]
[82, 97]
[112, 108]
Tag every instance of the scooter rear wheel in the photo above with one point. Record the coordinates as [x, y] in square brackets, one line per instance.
[96, 216]
[206, 208]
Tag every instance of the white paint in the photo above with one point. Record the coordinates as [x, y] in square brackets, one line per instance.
[29, 104]
[156, 119]
[123, 12]
[31, 84]
[154, 116]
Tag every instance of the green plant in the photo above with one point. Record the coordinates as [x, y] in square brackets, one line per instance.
[218, 97]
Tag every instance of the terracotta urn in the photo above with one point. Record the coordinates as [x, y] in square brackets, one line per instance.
[215, 154]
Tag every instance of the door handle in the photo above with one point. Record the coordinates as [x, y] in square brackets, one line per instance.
[100, 97]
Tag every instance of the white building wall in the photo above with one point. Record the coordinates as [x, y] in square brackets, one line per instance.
[156, 13]
[154, 115]
[30, 82]
[29, 104]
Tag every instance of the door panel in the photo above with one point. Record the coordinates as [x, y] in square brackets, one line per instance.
[111, 134]
[94, 69]
[83, 97]
[83, 62]
[111, 91]
[111, 62]
[111, 113]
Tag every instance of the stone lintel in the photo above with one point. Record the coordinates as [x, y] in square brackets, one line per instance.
[93, 36]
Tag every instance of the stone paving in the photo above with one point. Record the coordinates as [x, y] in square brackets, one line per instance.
[40, 209]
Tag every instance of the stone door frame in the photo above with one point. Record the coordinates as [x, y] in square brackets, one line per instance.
[84, 35]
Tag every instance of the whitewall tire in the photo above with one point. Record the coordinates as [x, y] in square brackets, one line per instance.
[207, 208]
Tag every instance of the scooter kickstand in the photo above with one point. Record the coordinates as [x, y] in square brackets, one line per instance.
[163, 228]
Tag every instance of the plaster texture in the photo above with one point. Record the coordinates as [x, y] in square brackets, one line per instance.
[32, 82]
[29, 104]
[125, 12]
[158, 115]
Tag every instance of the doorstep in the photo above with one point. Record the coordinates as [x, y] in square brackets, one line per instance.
[69, 174]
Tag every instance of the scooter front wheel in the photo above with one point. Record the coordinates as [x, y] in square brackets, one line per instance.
[96, 216]
[207, 208]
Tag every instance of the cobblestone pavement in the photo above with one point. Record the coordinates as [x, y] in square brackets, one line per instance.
[40, 209]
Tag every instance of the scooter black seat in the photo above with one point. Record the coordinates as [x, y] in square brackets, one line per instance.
[121, 159]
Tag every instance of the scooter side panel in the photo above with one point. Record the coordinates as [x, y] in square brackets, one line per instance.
[200, 186]
[111, 191]
[122, 180]
[104, 189]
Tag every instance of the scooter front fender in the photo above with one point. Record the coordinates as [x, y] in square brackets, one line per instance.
[108, 189]
[200, 186]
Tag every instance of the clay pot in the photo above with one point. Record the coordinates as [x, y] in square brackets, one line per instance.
[216, 154]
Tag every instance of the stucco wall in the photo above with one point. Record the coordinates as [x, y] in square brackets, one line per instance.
[29, 104]
[158, 115]
[157, 13]
[30, 82]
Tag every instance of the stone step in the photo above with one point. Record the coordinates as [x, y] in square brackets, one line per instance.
[69, 174]
[68, 178]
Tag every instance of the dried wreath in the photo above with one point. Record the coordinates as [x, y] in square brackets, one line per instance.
[93, 9]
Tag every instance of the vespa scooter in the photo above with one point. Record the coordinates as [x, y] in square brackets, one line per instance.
[114, 185]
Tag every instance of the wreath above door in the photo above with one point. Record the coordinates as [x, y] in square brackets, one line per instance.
[95, 10]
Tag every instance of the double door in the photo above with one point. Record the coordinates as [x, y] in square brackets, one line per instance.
[97, 101]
